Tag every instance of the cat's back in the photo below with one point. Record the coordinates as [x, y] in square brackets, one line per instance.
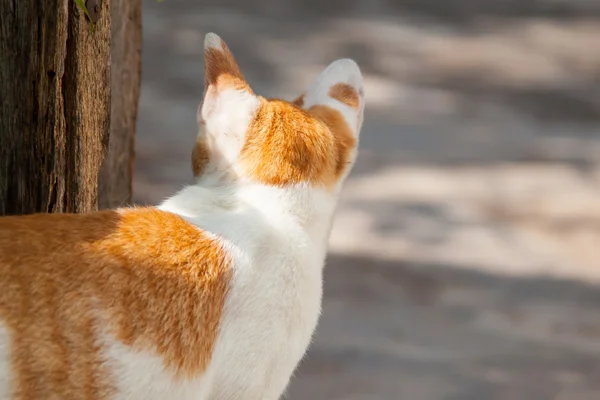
[76, 288]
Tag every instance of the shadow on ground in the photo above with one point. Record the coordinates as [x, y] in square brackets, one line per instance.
[405, 330]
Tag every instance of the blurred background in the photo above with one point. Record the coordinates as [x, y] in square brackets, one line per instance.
[464, 260]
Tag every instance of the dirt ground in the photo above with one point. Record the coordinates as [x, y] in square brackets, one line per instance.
[464, 260]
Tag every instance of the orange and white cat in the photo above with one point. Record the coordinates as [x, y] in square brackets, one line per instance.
[215, 293]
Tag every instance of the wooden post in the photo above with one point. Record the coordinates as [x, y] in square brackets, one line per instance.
[54, 105]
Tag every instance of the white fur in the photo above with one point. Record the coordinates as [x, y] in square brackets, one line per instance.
[142, 376]
[224, 120]
[277, 238]
[212, 40]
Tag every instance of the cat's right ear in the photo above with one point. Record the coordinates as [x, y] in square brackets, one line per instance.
[339, 87]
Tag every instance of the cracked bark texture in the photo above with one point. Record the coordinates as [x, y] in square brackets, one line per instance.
[55, 105]
[116, 173]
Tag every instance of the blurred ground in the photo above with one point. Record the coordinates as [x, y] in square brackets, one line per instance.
[464, 259]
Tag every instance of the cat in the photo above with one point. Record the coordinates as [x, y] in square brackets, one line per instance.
[213, 294]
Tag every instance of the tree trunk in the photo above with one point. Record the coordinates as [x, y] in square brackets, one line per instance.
[55, 105]
[116, 174]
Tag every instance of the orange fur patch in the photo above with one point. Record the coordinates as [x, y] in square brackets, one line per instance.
[148, 277]
[344, 139]
[284, 145]
[346, 94]
[221, 69]
[287, 145]
[200, 156]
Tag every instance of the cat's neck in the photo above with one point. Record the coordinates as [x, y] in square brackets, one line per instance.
[308, 208]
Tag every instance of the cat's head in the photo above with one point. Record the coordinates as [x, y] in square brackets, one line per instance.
[245, 137]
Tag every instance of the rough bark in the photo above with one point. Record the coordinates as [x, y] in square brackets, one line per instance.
[55, 105]
[116, 174]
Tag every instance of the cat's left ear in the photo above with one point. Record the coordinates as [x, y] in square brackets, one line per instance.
[228, 107]
[228, 99]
